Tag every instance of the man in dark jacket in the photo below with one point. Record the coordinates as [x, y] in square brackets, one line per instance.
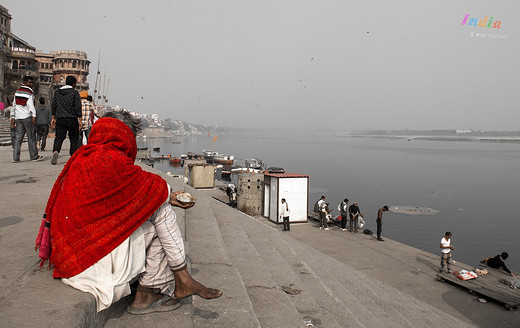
[66, 117]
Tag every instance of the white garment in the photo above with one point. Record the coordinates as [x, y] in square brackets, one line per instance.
[445, 243]
[284, 210]
[108, 280]
[19, 112]
[323, 206]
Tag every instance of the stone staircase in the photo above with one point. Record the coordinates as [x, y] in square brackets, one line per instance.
[271, 280]
[5, 132]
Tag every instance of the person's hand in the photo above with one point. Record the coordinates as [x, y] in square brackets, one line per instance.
[452, 248]
[174, 202]
[53, 123]
[34, 120]
[12, 123]
[79, 125]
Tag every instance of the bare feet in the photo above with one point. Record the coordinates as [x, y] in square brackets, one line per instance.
[186, 286]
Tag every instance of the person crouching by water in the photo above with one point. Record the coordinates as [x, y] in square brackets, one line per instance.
[99, 244]
[231, 191]
[353, 213]
[446, 249]
[284, 215]
[497, 262]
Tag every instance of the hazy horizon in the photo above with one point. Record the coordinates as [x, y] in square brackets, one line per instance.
[356, 65]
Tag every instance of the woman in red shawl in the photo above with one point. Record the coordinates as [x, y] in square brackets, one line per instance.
[104, 213]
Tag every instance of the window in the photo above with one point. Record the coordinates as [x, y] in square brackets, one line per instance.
[50, 65]
[15, 64]
[42, 65]
[46, 65]
[74, 64]
[22, 64]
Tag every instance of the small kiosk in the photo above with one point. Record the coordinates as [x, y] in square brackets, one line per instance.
[291, 186]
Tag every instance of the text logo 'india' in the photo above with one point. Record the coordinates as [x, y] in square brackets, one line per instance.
[485, 22]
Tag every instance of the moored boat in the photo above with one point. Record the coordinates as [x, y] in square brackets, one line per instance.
[224, 159]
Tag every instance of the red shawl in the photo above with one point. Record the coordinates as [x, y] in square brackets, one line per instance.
[100, 198]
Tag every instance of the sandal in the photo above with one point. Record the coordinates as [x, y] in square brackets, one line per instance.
[156, 306]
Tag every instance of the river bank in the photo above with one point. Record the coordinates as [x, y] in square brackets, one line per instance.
[472, 185]
[29, 297]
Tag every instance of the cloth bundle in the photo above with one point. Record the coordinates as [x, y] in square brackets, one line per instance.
[100, 198]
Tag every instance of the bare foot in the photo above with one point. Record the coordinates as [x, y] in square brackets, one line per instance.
[196, 289]
[186, 286]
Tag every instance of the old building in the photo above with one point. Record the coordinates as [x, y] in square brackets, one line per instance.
[70, 62]
[20, 62]
[46, 74]
[5, 31]
[18, 58]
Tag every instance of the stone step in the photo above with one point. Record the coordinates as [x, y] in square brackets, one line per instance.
[212, 266]
[348, 284]
[182, 317]
[310, 309]
[271, 304]
[346, 312]
[385, 297]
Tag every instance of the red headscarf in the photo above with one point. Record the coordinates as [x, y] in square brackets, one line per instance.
[100, 198]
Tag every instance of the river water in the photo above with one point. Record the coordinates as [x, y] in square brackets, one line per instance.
[474, 185]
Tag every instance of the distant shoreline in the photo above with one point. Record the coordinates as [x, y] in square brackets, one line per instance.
[489, 139]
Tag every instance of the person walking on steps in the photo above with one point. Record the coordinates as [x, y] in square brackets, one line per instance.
[66, 117]
[23, 120]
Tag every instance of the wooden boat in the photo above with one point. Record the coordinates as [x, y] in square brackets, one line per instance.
[175, 160]
[224, 159]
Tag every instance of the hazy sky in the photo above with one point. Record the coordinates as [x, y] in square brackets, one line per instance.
[356, 64]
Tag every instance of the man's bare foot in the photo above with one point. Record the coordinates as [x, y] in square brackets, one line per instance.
[196, 289]
[186, 286]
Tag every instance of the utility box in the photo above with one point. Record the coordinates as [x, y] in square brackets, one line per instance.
[201, 175]
[187, 162]
[250, 189]
[291, 186]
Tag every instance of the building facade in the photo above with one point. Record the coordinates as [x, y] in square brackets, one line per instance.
[5, 31]
[18, 58]
[70, 62]
[45, 74]
[21, 61]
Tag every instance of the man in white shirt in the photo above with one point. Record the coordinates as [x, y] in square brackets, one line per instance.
[23, 119]
[284, 214]
[446, 249]
[322, 207]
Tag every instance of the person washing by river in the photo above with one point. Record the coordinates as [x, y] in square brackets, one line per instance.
[353, 213]
[497, 262]
[108, 221]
